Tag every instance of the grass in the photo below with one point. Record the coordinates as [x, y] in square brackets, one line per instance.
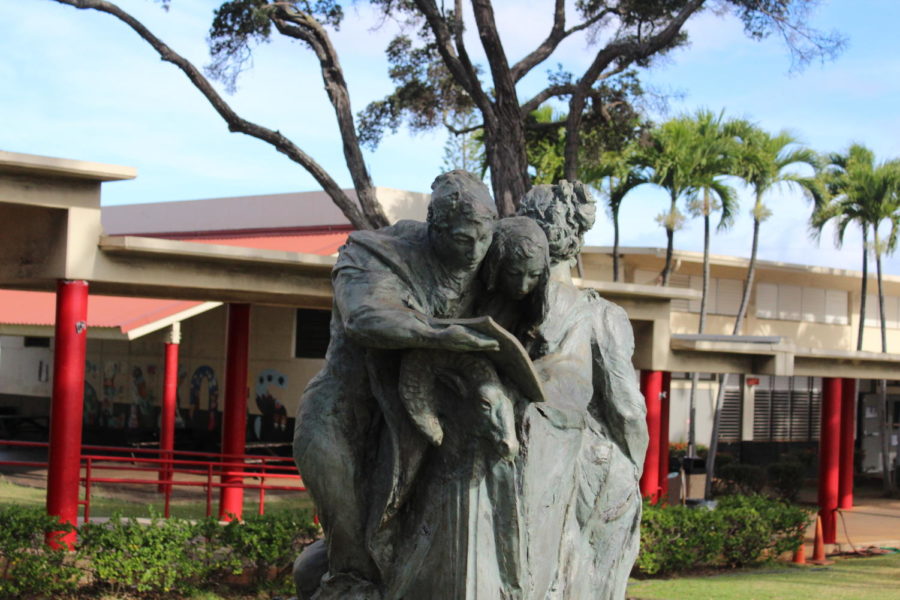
[873, 578]
[105, 505]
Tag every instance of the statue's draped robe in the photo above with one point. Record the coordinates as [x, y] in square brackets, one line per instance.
[582, 452]
[362, 457]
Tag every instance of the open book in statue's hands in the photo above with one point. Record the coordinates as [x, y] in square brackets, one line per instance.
[512, 359]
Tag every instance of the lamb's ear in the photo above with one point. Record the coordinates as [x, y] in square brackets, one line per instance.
[417, 393]
[452, 380]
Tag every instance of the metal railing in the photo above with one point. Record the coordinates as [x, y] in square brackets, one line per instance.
[168, 470]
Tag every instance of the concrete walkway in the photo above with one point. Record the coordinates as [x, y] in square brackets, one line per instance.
[873, 521]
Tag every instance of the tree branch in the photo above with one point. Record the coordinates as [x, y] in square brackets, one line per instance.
[558, 33]
[550, 125]
[235, 122]
[550, 92]
[462, 70]
[304, 27]
[461, 131]
[625, 52]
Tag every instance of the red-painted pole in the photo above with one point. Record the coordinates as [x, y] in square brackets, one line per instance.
[829, 456]
[665, 401]
[651, 387]
[848, 429]
[67, 408]
[169, 405]
[234, 417]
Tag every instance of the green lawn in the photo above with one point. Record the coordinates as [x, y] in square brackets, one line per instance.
[873, 578]
[103, 505]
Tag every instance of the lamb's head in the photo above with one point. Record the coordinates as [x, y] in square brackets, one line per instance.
[477, 388]
[497, 419]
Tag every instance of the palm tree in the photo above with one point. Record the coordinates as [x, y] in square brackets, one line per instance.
[689, 157]
[668, 157]
[842, 176]
[864, 193]
[713, 153]
[763, 162]
[614, 175]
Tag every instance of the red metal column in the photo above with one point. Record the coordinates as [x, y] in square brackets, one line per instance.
[829, 456]
[665, 401]
[67, 407]
[651, 387]
[169, 403]
[234, 416]
[848, 429]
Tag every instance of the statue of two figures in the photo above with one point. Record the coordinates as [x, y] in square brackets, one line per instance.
[476, 431]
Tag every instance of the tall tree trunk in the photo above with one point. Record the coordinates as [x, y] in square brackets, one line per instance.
[748, 282]
[695, 377]
[863, 285]
[880, 295]
[705, 293]
[506, 133]
[724, 379]
[670, 240]
[885, 426]
[505, 150]
[886, 421]
[615, 220]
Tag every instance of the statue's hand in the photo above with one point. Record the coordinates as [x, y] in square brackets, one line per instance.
[462, 339]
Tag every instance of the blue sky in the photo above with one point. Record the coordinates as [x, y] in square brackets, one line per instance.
[78, 84]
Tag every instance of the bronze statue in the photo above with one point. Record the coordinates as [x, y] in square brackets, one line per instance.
[476, 431]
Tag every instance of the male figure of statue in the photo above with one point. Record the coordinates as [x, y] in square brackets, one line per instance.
[353, 443]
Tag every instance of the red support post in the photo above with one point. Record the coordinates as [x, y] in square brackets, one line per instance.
[234, 417]
[665, 401]
[651, 387]
[169, 406]
[848, 429]
[829, 456]
[67, 408]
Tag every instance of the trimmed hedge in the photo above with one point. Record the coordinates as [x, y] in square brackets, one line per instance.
[170, 557]
[740, 531]
[165, 557]
[28, 567]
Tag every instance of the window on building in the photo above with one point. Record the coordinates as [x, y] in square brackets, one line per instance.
[724, 297]
[891, 311]
[800, 303]
[312, 333]
[36, 342]
[732, 409]
[786, 409]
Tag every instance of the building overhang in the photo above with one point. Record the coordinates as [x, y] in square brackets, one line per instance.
[50, 224]
[763, 355]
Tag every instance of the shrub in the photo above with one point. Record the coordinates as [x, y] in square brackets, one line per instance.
[786, 523]
[267, 545]
[742, 530]
[786, 478]
[28, 567]
[738, 478]
[676, 538]
[125, 554]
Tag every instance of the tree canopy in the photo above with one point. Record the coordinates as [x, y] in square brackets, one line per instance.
[436, 78]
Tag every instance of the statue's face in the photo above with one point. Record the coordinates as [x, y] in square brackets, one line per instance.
[462, 243]
[518, 278]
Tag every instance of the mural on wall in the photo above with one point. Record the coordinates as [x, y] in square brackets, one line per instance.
[179, 419]
[112, 393]
[142, 414]
[91, 405]
[272, 424]
[204, 373]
